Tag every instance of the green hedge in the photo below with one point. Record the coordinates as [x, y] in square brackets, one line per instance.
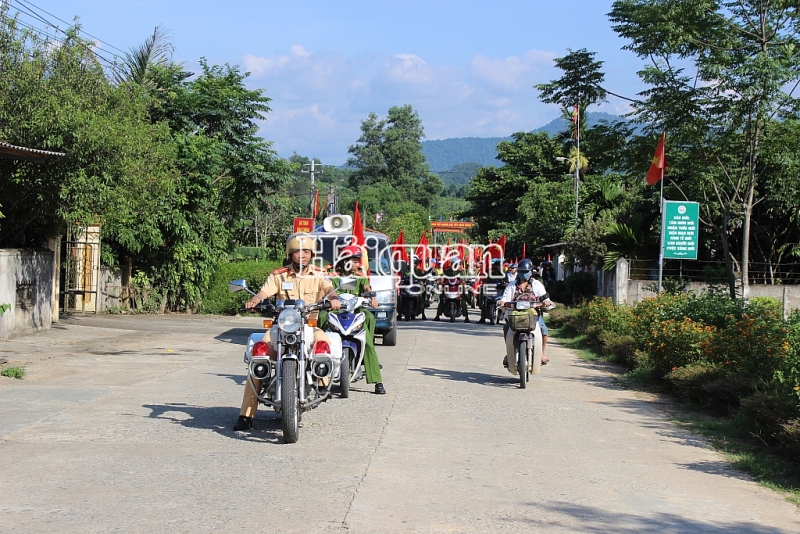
[736, 356]
[219, 299]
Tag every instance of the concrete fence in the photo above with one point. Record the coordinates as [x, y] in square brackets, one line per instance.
[26, 284]
[622, 289]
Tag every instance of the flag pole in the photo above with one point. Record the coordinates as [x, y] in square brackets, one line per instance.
[661, 242]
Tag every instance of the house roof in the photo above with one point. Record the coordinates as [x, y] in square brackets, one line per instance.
[10, 151]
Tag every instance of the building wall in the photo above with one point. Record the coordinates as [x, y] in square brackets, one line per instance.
[109, 289]
[26, 283]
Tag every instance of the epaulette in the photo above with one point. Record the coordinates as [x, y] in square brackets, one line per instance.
[280, 270]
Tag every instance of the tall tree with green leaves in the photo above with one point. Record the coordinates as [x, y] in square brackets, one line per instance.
[389, 151]
[745, 63]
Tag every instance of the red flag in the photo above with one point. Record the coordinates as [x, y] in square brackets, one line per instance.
[422, 248]
[502, 243]
[461, 250]
[656, 171]
[524, 253]
[358, 230]
[316, 205]
[400, 250]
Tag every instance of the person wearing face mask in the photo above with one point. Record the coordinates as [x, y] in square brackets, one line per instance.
[297, 280]
[526, 285]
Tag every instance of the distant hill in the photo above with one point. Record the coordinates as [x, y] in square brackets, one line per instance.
[445, 154]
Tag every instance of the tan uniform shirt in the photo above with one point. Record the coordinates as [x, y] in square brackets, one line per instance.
[310, 286]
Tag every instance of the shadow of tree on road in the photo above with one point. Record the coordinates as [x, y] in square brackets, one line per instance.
[239, 379]
[220, 420]
[589, 519]
[237, 336]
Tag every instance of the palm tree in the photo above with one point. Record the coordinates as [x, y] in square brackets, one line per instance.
[635, 241]
[137, 65]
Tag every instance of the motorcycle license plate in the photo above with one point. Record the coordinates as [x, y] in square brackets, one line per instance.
[380, 315]
[450, 295]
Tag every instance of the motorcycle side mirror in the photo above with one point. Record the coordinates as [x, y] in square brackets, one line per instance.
[348, 283]
[237, 285]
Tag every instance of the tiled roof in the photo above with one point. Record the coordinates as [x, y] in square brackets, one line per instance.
[20, 152]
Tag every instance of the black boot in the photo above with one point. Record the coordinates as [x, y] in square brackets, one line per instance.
[379, 389]
[243, 423]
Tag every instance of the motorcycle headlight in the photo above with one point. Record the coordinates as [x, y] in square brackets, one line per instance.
[290, 320]
[523, 305]
[358, 323]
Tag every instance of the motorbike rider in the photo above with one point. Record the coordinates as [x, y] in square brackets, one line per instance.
[349, 264]
[525, 283]
[298, 280]
[452, 269]
[511, 274]
[421, 274]
[489, 287]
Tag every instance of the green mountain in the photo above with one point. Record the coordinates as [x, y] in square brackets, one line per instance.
[445, 154]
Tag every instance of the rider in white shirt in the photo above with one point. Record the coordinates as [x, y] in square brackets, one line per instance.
[525, 282]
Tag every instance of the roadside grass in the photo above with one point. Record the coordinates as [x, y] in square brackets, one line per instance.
[745, 451]
[15, 371]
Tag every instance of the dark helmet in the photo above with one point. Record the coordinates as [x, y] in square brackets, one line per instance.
[524, 270]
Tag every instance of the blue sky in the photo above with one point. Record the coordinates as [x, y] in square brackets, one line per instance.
[467, 67]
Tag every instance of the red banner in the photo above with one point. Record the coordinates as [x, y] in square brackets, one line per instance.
[303, 224]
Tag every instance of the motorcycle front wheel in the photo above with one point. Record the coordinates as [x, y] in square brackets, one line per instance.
[290, 421]
[344, 375]
[522, 364]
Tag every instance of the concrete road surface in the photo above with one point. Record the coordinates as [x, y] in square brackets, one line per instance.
[123, 424]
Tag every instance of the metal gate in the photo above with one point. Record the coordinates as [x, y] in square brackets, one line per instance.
[80, 269]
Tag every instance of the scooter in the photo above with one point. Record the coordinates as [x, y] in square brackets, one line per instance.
[349, 325]
[524, 341]
[451, 293]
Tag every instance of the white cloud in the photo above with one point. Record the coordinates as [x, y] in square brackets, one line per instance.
[321, 97]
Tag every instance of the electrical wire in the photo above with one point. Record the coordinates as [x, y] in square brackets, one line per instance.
[31, 4]
[24, 10]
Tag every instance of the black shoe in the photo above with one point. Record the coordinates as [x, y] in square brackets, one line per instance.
[482, 321]
[466, 320]
[379, 389]
[424, 318]
[505, 362]
[243, 423]
[380, 366]
[436, 318]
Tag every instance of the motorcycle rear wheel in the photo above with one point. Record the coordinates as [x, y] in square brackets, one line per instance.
[290, 420]
[522, 364]
[344, 375]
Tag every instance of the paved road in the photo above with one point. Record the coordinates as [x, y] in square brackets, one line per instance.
[123, 425]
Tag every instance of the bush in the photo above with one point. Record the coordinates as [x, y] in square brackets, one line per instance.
[13, 372]
[674, 343]
[621, 348]
[691, 380]
[219, 299]
[581, 286]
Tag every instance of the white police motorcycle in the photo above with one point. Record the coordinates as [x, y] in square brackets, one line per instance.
[300, 377]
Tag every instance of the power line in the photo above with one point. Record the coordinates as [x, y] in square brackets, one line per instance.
[31, 4]
[26, 11]
[23, 9]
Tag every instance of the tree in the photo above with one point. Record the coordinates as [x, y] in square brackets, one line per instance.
[580, 83]
[118, 168]
[389, 151]
[138, 63]
[744, 56]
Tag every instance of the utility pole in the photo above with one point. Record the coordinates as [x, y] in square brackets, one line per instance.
[311, 169]
[330, 202]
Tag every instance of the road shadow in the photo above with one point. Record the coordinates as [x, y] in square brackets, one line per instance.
[459, 327]
[237, 336]
[239, 379]
[266, 427]
[483, 379]
[584, 518]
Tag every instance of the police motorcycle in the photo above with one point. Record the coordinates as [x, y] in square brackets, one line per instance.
[348, 324]
[524, 340]
[300, 377]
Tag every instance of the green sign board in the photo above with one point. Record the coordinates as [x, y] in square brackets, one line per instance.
[681, 225]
